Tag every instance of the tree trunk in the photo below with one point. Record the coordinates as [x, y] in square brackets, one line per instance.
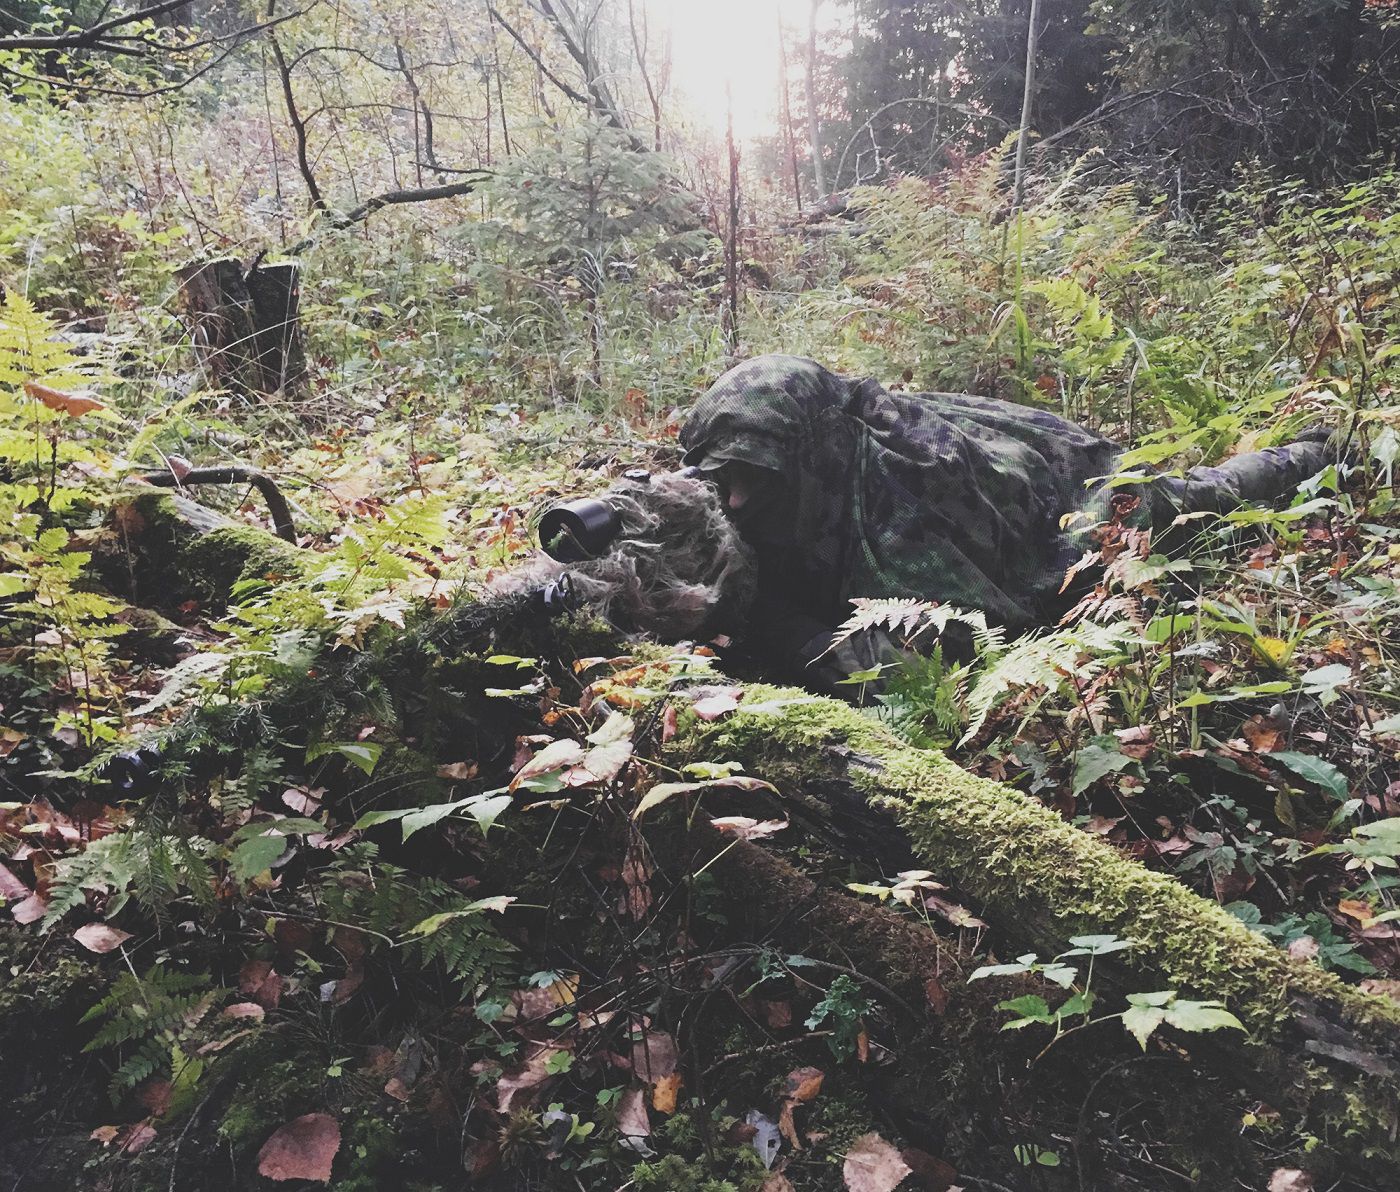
[1322, 1056]
[161, 551]
[814, 124]
[246, 324]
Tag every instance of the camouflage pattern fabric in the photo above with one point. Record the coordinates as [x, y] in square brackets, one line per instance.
[936, 496]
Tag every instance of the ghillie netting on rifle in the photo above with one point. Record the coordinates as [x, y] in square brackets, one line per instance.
[677, 570]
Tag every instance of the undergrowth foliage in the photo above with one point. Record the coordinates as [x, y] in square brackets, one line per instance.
[455, 912]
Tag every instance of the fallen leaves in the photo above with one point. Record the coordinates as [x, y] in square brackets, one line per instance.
[303, 1149]
[552, 759]
[31, 909]
[743, 827]
[101, 938]
[802, 1085]
[541, 1063]
[632, 1121]
[258, 980]
[665, 790]
[11, 887]
[873, 1165]
[654, 1056]
[664, 1093]
[130, 1140]
[75, 405]
[717, 702]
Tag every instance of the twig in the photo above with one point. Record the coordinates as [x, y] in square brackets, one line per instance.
[236, 474]
[766, 1049]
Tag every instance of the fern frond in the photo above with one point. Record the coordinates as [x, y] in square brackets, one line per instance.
[1046, 661]
[908, 618]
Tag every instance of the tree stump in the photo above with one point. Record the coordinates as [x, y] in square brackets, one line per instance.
[246, 323]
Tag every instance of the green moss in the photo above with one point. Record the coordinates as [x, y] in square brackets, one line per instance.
[1020, 859]
[164, 550]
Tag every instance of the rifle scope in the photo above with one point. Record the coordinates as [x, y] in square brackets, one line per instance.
[586, 527]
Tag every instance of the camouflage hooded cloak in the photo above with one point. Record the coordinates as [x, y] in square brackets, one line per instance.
[936, 496]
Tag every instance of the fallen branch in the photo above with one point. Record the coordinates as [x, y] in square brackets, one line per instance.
[236, 474]
[1322, 1050]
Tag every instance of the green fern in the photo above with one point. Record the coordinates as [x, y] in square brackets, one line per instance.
[466, 947]
[150, 1017]
[911, 618]
[155, 867]
[1046, 662]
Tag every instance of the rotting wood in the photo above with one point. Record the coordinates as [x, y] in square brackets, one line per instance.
[161, 550]
[245, 323]
[953, 1081]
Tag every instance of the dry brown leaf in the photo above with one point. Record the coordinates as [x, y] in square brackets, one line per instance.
[937, 996]
[1290, 1179]
[787, 1127]
[11, 887]
[931, 1173]
[348, 985]
[958, 916]
[777, 1015]
[257, 980]
[303, 1149]
[528, 1076]
[245, 1010]
[106, 1135]
[458, 771]
[75, 405]
[654, 1056]
[718, 702]
[136, 1138]
[1303, 948]
[743, 827]
[100, 938]
[1136, 742]
[1354, 908]
[30, 909]
[1382, 987]
[803, 1084]
[1262, 733]
[632, 1120]
[665, 1092]
[873, 1165]
[302, 801]
[777, 1182]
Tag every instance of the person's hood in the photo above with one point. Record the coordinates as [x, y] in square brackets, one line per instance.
[764, 412]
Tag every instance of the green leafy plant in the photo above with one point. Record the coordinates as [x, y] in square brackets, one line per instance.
[151, 1019]
[1145, 1011]
[844, 1008]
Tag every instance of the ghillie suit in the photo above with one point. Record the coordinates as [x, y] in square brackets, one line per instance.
[933, 496]
[678, 570]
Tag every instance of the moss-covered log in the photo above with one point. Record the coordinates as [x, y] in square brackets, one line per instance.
[1325, 1053]
[949, 1079]
[161, 550]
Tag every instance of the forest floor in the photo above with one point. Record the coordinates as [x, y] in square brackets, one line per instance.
[430, 889]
